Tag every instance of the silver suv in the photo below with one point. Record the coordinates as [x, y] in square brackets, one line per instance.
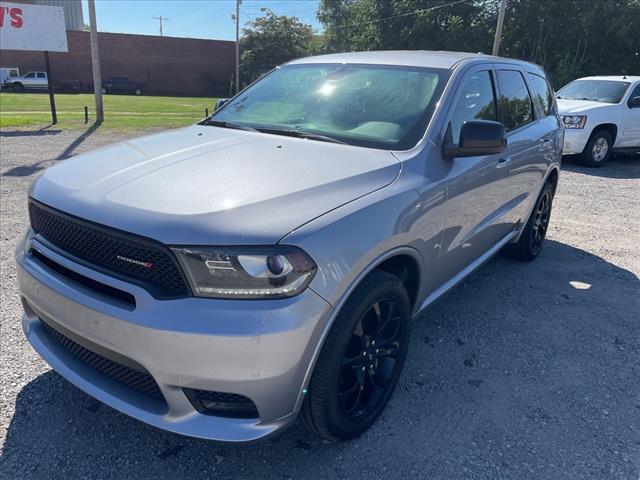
[220, 279]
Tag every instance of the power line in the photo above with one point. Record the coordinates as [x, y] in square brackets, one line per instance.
[400, 15]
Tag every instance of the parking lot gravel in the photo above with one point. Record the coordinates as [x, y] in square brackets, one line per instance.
[524, 371]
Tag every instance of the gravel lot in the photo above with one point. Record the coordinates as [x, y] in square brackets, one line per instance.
[516, 374]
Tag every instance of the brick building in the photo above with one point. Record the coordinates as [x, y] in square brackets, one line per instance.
[167, 65]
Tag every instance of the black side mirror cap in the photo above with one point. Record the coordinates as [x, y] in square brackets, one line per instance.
[634, 102]
[220, 103]
[478, 137]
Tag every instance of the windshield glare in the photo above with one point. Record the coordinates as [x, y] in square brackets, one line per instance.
[605, 91]
[385, 107]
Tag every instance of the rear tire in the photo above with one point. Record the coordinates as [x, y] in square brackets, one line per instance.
[598, 149]
[361, 360]
[529, 245]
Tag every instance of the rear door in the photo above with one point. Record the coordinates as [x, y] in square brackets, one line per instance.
[477, 187]
[531, 134]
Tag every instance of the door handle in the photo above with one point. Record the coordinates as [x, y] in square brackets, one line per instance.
[503, 162]
[546, 142]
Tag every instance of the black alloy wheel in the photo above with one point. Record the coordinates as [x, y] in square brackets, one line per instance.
[361, 359]
[370, 360]
[530, 243]
[541, 218]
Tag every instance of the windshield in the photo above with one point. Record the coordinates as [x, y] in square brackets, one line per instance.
[385, 107]
[605, 91]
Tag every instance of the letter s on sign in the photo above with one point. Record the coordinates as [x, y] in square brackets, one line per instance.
[16, 17]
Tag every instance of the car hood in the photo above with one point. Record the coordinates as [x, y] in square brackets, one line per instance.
[570, 107]
[214, 186]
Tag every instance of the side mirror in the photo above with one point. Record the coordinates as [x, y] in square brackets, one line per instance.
[220, 103]
[634, 102]
[478, 137]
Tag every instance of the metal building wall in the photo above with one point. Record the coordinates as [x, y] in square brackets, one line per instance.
[73, 18]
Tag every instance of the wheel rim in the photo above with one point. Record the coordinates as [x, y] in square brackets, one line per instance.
[541, 222]
[600, 149]
[370, 360]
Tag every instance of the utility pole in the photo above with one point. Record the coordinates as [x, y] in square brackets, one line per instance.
[498, 37]
[238, 2]
[95, 62]
[161, 18]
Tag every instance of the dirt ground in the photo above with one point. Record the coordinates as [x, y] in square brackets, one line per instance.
[525, 371]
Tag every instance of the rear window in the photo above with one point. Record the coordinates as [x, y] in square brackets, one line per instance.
[514, 101]
[542, 93]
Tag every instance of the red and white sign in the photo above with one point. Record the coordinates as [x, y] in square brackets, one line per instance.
[32, 27]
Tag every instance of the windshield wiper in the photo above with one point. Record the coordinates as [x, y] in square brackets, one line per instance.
[292, 132]
[224, 124]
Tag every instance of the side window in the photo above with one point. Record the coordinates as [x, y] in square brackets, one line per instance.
[515, 103]
[30, 75]
[476, 102]
[542, 93]
[41, 75]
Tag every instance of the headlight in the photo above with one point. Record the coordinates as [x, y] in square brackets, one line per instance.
[246, 272]
[574, 121]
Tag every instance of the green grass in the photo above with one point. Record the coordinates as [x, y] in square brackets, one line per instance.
[26, 110]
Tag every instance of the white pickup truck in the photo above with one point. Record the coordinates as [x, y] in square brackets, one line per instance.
[600, 115]
[30, 81]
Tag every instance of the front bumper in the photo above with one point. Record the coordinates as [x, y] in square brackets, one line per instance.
[575, 139]
[259, 349]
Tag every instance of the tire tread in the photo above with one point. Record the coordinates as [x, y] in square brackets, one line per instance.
[312, 413]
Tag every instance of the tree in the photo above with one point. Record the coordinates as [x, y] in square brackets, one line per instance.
[354, 25]
[569, 38]
[271, 40]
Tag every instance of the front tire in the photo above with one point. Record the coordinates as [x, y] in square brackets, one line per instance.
[361, 360]
[598, 149]
[529, 245]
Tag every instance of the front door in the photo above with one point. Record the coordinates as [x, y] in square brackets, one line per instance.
[630, 135]
[477, 187]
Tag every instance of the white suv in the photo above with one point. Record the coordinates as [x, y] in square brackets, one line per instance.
[600, 114]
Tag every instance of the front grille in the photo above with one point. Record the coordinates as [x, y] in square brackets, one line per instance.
[137, 380]
[112, 251]
[122, 298]
[221, 403]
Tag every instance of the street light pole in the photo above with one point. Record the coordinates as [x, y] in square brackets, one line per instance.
[95, 62]
[498, 37]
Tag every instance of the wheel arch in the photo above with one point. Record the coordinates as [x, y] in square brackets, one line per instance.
[610, 128]
[400, 259]
[553, 176]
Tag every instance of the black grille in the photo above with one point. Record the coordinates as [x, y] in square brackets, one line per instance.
[135, 379]
[108, 249]
[221, 403]
[123, 298]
